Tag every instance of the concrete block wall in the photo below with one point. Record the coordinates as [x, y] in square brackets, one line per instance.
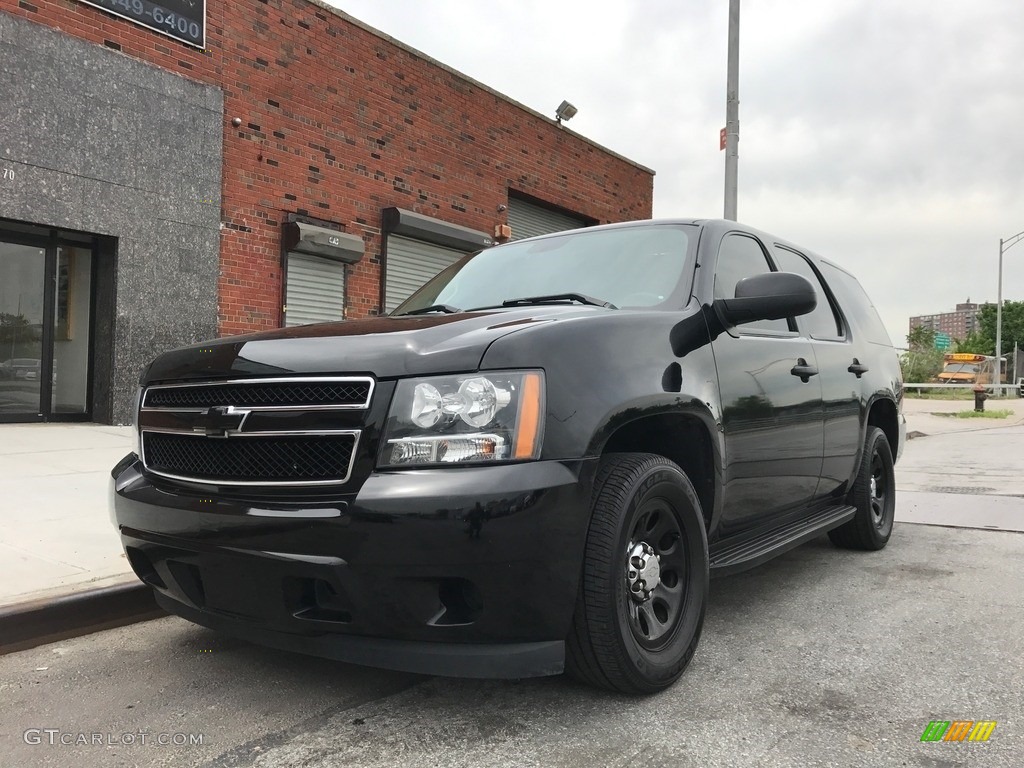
[102, 143]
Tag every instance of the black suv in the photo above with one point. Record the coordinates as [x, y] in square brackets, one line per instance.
[532, 465]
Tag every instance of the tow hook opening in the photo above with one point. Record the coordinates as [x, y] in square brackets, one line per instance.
[461, 603]
[144, 567]
[318, 600]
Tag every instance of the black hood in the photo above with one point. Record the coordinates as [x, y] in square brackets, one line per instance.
[383, 347]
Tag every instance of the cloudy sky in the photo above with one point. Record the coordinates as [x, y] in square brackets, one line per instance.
[887, 136]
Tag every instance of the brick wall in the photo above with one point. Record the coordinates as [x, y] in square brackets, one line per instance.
[339, 122]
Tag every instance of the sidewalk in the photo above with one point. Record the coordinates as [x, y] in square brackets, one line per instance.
[55, 533]
[924, 416]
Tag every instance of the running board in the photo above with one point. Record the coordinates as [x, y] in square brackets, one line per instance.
[732, 556]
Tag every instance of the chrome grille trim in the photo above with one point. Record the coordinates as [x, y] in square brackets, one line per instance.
[354, 433]
[297, 380]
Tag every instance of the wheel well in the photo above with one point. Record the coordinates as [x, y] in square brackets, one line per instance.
[883, 415]
[680, 439]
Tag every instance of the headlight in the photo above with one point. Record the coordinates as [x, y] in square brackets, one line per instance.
[480, 417]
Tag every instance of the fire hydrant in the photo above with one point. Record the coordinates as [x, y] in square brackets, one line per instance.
[980, 396]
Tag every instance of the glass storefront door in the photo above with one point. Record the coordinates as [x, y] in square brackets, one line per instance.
[71, 331]
[45, 328]
[22, 282]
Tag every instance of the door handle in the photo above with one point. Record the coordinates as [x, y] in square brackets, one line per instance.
[857, 368]
[803, 370]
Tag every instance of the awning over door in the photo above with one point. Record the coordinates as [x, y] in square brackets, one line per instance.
[418, 247]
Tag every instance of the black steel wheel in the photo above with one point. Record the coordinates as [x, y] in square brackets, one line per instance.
[645, 577]
[874, 496]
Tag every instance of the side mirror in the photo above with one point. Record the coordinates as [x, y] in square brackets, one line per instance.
[769, 296]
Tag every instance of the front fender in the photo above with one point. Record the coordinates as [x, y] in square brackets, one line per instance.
[608, 369]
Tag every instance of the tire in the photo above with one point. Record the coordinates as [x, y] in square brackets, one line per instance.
[639, 643]
[875, 501]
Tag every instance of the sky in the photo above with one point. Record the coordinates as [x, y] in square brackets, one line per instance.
[885, 136]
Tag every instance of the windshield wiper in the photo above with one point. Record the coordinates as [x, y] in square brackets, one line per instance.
[581, 298]
[448, 309]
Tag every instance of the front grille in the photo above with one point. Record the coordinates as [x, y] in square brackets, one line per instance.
[257, 460]
[290, 394]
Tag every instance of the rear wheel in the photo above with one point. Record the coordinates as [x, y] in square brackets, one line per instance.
[644, 585]
[874, 496]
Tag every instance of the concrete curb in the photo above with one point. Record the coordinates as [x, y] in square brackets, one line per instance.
[38, 622]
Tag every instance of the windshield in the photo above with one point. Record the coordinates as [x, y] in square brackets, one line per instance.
[642, 266]
[960, 368]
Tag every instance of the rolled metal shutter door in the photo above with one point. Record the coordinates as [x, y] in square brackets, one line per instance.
[316, 290]
[529, 220]
[411, 263]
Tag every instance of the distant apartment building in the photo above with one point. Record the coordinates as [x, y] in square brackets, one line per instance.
[959, 324]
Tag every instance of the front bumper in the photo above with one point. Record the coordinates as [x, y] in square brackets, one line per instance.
[457, 571]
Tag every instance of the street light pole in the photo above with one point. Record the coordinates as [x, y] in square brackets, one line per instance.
[732, 111]
[1004, 246]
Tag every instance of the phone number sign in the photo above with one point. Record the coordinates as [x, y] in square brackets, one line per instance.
[184, 20]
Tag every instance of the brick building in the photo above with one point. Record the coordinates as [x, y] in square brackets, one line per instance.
[959, 324]
[257, 163]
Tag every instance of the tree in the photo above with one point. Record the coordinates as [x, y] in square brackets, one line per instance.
[974, 343]
[15, 328]
[1013, 325]
[920, 339]
[921, 366]
[922, 362]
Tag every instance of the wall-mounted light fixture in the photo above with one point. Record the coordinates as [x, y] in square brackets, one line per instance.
[565, 111]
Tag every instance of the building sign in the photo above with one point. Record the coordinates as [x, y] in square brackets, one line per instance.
[184, 20]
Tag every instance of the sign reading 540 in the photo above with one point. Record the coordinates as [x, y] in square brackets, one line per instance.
[184, 20]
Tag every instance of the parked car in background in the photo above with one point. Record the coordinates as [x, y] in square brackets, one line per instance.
[23, 368]
[533, 465]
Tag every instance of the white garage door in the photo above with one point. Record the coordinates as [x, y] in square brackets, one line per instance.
[410, 264]
[316, 290]
[528, 220]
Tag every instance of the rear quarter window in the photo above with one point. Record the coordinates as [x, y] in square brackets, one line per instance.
[855, 303]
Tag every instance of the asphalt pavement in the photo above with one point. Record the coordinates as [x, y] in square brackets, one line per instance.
[962, 472]
[822, 657]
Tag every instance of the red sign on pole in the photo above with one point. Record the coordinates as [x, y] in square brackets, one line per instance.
[721, 140]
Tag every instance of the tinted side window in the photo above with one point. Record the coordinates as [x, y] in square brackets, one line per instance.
[855, 301]
[741, 256]
[823, 322]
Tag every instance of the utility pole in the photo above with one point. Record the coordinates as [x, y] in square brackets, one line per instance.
[1004, 245]
[999, 308]
[732, 111]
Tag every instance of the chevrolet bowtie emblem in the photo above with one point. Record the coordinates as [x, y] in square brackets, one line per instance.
[221, 421]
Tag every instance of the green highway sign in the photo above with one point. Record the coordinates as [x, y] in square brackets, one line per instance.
[943, 341]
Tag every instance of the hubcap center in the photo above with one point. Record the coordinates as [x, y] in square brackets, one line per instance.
[643, 571]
